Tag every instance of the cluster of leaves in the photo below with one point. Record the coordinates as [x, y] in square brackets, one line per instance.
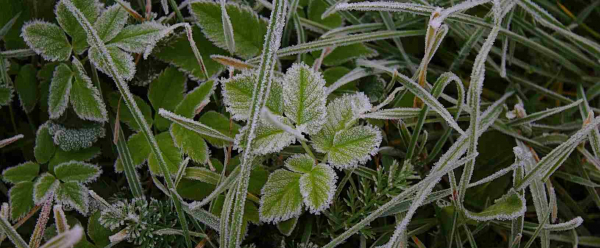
[301, 123]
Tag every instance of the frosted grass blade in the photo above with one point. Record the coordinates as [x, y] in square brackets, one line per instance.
[194, 125]
[542, 114]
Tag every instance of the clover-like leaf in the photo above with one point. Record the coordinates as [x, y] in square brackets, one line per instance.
[75, 171]
[123, 61]
[48, 40]
[318, 187]
[353, 146]
[249, 29]
[305, 98]
[60, 90]
[281, 198]
[85, 97]
[44, 145]
[268, 137]
[508, 207]
[24, 172]
[83, 155]
[111, 22]
[21, 200]
[166, 92]
[171, 154]
[73, 194]
[190, 143]
[237, 93]
[44, 186]
[89, 8]
[137, 38]
[300, 163]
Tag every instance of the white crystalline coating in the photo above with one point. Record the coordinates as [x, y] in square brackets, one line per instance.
[49, 192]
[393, 114]
[388, 99]
[66, 239]
[123, 61]
[237, 95]
[69, 139]
[465, 5]
[525, 119]
[60, 219]
[269, 138]
[4, 210]
[227, 28]
[495, 212]
[193, 125]
[354, 146]
[10, 140]
[265, 114]
[388, 6]
[301, 163]
[552, 205]
[76, 197]
[46, 39]
[76, 171]
[136, 38]
[111, 22]
[305, 98]
[565, 226]
[60, 90]
[86, 110]
[318, 188]
[281, 197]
[353, 75]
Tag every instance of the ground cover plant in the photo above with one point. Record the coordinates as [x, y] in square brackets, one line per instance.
[300, 123]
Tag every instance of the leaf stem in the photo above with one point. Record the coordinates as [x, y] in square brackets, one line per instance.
[176, 10]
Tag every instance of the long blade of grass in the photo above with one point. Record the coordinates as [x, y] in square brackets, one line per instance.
[12, 234]
[542, 114]
[194, 125]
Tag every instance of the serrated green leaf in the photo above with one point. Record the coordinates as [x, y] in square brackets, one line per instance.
[44, 186]
[123, 61]
[60, 90]
[48, 40]
[24, 172]
[26, 85]
[137, 38]
[44, 145]
[219, 122]
[301, 163]
[21, 199]
[305, 98]
[190, 143]
[5, 95]
[73, 194]
[111, 22]
[166, 92]
[85, 97]
[249, 29]
[171, 154]
[318, 187]
[62, 156]
[237, 93]
[178, 52]
[89, 8]
[281, 198]
[195, 99]
[510, 206]
[125, 115]
[353, 146]
[268, 137]
[79, 172]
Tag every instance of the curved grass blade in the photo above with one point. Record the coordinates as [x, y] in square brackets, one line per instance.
[542, 114]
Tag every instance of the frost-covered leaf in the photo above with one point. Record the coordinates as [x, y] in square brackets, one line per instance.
[60, 219]
[26, 86]
[44, 145]
[342, 113]
[24, 172]
[89, 8]
[268, 137]
[111, 22]
[5, 94]
[124, 113]
[170, 153]
[67, 239]
[237, 93]
[137, 38]
[60, 90]
[166, 92]
[219, 122]
[178, 52]
[73, 139]
[190, 143]
[301, 163]
[318, 187]
[48, 40]
[79, 172]
[62, 156]
[73, 194]
[305, 98]
[508, 207]
[227, 28]
[85, 97]
[195, 99]
[249, 29]
[353, 146]
[122, 60]
[21, 199]
[282, 199]
[44, 186]
[194, 125]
